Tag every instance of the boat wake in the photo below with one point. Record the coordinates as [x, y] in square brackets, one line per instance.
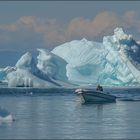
[130, 99]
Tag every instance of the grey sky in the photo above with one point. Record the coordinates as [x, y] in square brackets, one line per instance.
[62, 11]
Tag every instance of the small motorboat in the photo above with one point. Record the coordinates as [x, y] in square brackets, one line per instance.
[95, 96]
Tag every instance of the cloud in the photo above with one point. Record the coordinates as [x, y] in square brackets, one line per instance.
[92, 28]
[132, 19]
[130, 15]
[21, 23]
[52, 33]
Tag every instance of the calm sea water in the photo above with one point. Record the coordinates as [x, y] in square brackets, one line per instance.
[63, 116]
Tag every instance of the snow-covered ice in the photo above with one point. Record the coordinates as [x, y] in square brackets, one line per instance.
[115, 61]
[109, 63]
[5, 116]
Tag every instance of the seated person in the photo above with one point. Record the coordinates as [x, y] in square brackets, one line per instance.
[100, 88]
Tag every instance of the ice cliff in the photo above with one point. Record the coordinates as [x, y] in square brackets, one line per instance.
[46, 72]
[115, 61]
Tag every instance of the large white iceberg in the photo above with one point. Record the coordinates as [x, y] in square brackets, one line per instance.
[46, 72]
[109, 63]
[115, 61]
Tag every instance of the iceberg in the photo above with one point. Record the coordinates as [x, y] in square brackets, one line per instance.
[52, 65]
[113, 62]
[84, 58]
[48, 71]
[5, 116]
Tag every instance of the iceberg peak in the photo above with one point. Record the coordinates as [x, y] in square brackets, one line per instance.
[120, 35]
[84, 40]
[24, 61]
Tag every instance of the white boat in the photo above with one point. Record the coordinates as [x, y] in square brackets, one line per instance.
[95, 96]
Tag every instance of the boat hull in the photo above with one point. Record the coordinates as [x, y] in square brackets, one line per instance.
[96, 97]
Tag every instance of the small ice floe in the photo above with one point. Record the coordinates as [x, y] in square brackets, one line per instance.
[31, 93]
[5, 116]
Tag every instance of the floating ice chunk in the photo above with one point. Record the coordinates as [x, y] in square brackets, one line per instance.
[5, 116]
[7, 119]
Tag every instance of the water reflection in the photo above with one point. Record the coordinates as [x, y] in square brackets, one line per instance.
[65, 117]
[100, 111]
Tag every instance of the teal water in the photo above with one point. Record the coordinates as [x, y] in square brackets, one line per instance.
[63, 116]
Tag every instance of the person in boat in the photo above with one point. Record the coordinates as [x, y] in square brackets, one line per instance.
[100, 88]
